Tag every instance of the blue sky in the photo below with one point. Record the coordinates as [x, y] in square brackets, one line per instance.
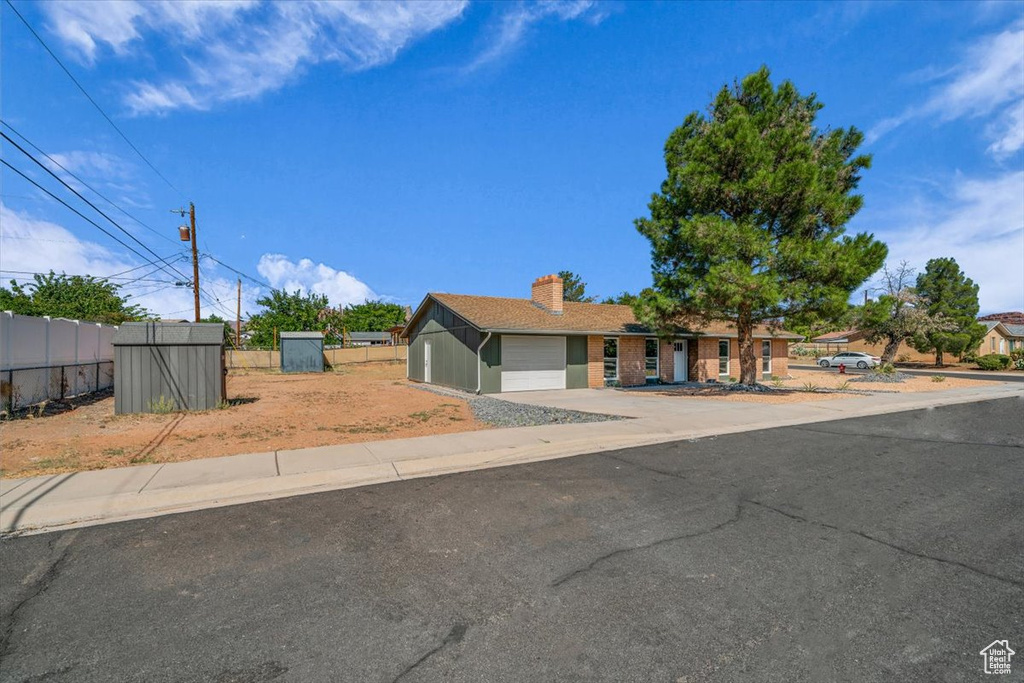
[388, 149]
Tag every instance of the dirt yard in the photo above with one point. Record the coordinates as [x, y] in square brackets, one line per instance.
[270, 411]
[813, 385]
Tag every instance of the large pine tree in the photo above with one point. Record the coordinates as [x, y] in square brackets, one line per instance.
[948, 294]
[749, 224]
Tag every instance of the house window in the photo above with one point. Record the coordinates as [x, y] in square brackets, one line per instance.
[651, 357]
[611, 358]
[993, 340]
[766, 357]
[723, 356]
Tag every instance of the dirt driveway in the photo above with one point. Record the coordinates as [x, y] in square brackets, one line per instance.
[271, 411]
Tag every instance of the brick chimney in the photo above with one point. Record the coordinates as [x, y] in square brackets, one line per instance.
[547, 293]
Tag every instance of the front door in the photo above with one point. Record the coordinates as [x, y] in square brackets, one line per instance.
[426, 361]
[679, 361]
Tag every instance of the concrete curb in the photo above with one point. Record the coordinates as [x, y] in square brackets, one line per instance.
[64, 501]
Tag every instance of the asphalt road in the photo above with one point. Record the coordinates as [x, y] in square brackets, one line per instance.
[984, 376]
[874, 549]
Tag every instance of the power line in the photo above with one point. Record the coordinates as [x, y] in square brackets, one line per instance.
[97, 192]
[41, 165]
[96, 277]
[83, 216]
[238, 272]
[89, 97]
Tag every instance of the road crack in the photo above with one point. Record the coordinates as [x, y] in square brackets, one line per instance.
[41, 585]
[874, 539]
[653, 544]
[455, 635]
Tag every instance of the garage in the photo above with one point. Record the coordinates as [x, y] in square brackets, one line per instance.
[532, 363]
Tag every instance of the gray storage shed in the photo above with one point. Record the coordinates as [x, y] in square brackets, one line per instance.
[302, 352]
[161, 366]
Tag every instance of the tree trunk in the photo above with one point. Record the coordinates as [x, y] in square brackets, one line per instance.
[890, 350]
[748, 359]
[938, 358]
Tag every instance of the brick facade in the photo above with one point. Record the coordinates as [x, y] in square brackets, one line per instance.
[595, 362]
[666, 361]
[780, 357]
[631, 362]
[702, 359]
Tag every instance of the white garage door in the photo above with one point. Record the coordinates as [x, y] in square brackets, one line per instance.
[530, 363]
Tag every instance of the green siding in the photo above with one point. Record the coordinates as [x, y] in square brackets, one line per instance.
[576, 362]
[490, 366]
[453, 344]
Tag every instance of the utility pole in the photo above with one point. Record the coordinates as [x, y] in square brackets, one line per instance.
[195, 256]
[238, 317]
[186, 233]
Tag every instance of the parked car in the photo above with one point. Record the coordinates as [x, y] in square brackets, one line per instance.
[851, 358]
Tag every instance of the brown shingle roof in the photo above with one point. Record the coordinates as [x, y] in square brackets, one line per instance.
[508, 314]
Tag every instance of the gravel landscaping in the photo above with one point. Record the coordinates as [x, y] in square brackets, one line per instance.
[499, 413]
[883, 378]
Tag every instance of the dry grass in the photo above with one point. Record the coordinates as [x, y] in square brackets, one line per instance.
[270, 411]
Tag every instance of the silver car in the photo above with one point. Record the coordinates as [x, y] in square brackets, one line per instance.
[855, 359]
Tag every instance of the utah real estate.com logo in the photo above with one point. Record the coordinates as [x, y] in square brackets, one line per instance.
[997, 657]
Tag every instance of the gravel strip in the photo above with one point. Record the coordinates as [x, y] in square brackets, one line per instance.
[499, 413]
[894, 378]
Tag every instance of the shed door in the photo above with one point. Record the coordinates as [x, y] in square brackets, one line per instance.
[530, 363]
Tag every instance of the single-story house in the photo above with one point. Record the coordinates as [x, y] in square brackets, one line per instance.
[854, 340]
[1001, 337]
[368, 338]
[495, 344]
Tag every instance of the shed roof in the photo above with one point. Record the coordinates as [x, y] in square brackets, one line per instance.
[369, 336]
[169, 334]
[503, 314]
[1014, 329]
[302, 335]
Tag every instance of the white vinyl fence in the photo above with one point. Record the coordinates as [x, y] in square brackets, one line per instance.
[47, 358]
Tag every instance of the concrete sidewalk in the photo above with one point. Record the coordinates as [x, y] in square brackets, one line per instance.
[84, 498]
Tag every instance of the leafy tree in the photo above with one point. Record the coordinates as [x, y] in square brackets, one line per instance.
[749, 224]
[292, 312]
[71, 296]
[810, 324]
[574, 288]
[899, 313]
[229, 331]
[948, 293]
[372, 316]
[622, 298]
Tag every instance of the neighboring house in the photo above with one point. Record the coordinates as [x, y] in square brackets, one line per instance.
[493, 344]
[1001, 337]
[853, 340]
[368, 338]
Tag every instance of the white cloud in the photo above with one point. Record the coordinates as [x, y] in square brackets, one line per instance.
[989, 82]
[980, 224]
[340, 287]
[34, 245]
[240, 50]
[515, 23]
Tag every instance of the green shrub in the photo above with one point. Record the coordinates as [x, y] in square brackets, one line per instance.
[809, 387]
[162, 405]
[886, 369]
[969, 357]
[1019, 363]
[776, 381]
[938, 378]
[843, 386]
[993, 361]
